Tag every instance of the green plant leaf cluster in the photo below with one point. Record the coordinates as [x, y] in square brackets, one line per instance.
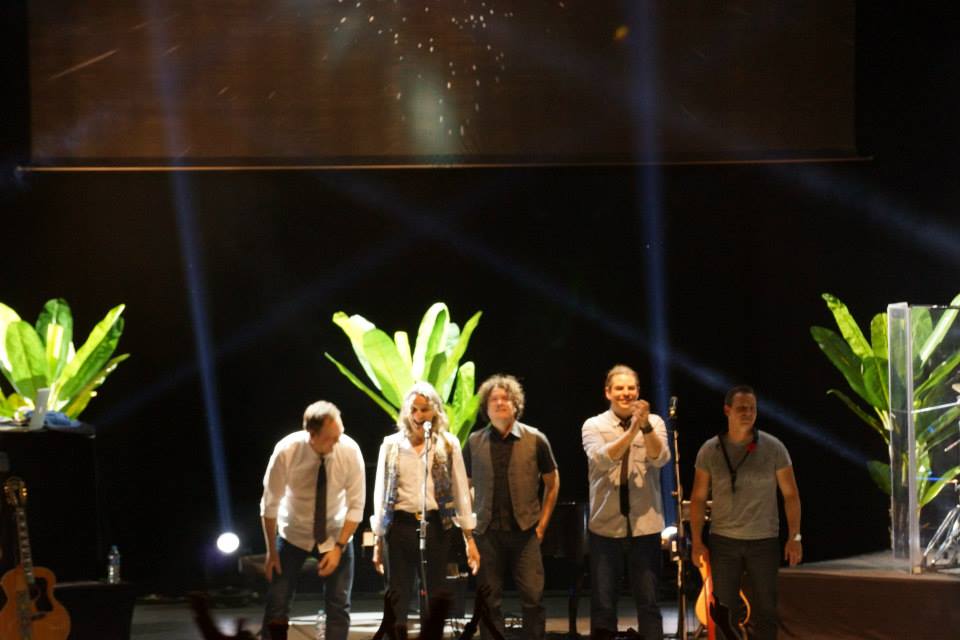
[864, 365]
[392, 368]
[42, 355]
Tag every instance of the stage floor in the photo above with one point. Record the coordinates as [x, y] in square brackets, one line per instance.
[175, 621]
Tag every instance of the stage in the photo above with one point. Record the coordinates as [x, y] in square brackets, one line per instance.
[867, 596]
[861, 597]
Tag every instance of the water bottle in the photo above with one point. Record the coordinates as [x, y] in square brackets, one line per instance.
[321, 624]
[113, 566]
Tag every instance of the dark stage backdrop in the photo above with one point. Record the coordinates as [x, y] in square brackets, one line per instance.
[339, 81]
[555, 259]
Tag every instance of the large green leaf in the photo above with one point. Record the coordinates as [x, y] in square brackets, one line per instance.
[940, 331]
[389, 368]
[82, 398]
[355, 326]
[921, 326]
[878, 335]
[860, 413]
[934, 489]
[55, 328]
[466, 379]
[880, 473]
[941, 429]
[28, 362]
[358, 383]
[455, 353]
[848, 327]
[7, 315]
[93, 355]
[841, 355]
[10, 405]
[937, 377]
[402, 341]
[430, 338]
[433, 372]
[464, 419]
[875, 381]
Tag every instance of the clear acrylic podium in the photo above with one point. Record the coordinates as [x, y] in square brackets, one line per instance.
[924, 389]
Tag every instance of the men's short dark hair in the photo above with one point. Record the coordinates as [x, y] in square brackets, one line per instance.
[509, 384]
[740, 388]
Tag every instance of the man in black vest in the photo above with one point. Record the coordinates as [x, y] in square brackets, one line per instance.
[505, 462]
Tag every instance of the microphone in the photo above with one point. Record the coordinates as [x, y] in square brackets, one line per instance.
[426, 428]
[672, 410]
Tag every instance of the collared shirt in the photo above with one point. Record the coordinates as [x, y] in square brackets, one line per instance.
[290, 489]
[646, 503]
[410, 482]
[501, 451]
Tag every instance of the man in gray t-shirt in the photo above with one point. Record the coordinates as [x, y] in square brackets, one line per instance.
[743, 468]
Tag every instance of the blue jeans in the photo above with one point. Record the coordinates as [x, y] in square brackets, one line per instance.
[520, 552]
[730, 559]
[336, 589]
[642, 559]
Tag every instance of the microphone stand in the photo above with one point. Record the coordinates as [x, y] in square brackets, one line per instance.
[424, 601]
[679, 543]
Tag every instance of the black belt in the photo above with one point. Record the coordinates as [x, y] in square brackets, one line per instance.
[406, 516]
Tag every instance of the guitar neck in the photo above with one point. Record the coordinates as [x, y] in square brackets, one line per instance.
[23, 538]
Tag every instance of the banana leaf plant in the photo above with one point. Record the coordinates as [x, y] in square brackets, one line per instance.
[863, 364]
[392, 367]
[42, 355]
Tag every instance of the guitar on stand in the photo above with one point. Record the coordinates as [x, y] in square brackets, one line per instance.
[31, 611]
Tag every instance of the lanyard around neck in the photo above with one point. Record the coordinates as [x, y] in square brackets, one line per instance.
[726, 457]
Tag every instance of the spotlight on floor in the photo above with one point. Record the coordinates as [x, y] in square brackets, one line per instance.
[228, 542]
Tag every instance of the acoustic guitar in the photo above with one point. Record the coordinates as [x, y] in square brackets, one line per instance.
[716, 616]
[31, 612]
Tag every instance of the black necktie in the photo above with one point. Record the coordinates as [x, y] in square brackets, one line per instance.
[624, 474]
[320, 513]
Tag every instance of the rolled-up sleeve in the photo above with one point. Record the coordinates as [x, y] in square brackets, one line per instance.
[356, 487]
[596, 447]
[274, 484]
[376, 519]
[660, 429]
[466, 518]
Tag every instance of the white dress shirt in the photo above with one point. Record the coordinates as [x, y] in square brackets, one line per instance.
[410, 482]
[290, 489]
[646, 503]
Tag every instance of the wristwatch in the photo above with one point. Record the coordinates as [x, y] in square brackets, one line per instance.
[647, 428]
[340, 545]
[797, 537]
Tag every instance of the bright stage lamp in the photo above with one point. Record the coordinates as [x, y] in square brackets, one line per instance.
[228, 542]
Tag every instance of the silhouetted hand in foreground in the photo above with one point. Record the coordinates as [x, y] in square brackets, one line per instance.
[200, 603]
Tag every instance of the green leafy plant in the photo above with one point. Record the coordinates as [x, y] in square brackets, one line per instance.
[42, 355]
[863, 364]
[393, 368]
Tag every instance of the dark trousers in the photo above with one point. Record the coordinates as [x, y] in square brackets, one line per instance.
[402, 551]
[520, 551]
[336, 589]
[641, 557]
[730, 559]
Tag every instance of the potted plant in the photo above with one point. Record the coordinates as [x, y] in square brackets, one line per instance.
[864, 365]
[392, 367]
[40, 359]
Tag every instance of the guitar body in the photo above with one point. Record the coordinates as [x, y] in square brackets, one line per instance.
[32, 613]
[716, 616]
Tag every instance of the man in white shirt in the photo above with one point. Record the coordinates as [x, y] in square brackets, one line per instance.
[626, 446]
[313, 497]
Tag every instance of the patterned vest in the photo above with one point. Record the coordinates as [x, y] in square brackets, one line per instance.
[440, 471]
